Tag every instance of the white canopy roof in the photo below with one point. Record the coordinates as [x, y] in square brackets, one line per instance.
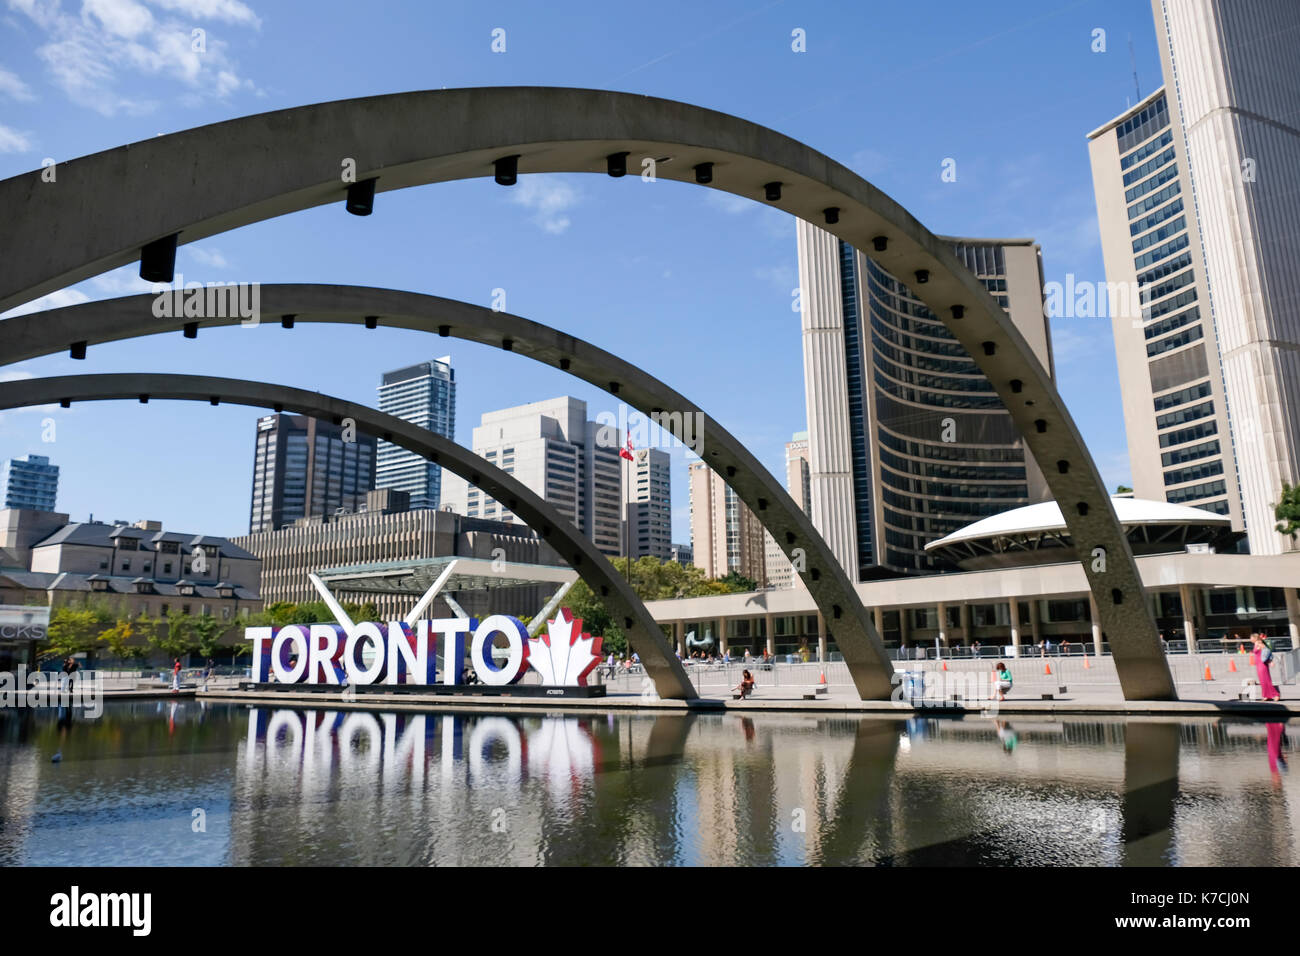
[1046, 516]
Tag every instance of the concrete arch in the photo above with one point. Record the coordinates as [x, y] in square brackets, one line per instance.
[204, 181]
[42, 333]
[660, 662]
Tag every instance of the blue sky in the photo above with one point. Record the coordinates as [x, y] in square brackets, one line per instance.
[692, 284]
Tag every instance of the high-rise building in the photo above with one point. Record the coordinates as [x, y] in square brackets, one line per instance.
[683, 554]
[726, 537]
[30, 484]
[907, 439]
[303, 467]
[1211, 159]
[798, 477]
[1175, 410]
[551, 447]
[425, 395]
[649, 504]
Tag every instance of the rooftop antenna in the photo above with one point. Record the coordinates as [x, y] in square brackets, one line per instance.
[1132, 59]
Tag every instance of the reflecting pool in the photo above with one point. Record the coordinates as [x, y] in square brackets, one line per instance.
[185, 782]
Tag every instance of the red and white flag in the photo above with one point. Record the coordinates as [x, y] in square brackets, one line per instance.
[627, 452]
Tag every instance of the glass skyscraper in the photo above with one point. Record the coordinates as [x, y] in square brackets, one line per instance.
[908, 441]
[31, 484]
[425, 395]
[303, 467]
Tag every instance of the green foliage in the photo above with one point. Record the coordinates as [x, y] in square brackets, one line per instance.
[75, 629]
[1287, 511]
[1123, 490]
[207, 632]
[652, 580]
[282, 613]
[120, 639]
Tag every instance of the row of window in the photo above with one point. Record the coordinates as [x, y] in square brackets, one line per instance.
[1183, 396]
[1157, 217]
[1190, 453]
[1174, 341]
[1206, 469]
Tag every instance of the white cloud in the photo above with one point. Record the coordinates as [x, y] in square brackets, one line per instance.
[89, 55]
[12, 141]
[15, 376]
[123, 281]
[54, 300]
[13, 86]
[549, 198]
[729, 202]
[212, 258]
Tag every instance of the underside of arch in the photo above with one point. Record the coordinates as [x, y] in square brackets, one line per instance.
[643, 633]
[109, 206]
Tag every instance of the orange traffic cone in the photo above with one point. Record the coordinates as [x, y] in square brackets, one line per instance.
[1047, 668]
[823, 679]
[945, 665]
[1232, 666]
[1208, 675]
[1086, 666]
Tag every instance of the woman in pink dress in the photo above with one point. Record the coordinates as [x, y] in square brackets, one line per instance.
[1262, 656]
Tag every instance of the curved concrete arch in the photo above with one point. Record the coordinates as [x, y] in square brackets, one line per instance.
[42, 333]
[643, 633]
[204, 181]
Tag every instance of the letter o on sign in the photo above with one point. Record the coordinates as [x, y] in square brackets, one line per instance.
[280, 652]
[481, 650]
[353, 654]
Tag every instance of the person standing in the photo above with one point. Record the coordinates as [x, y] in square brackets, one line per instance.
[176, 675]
[1263, 656]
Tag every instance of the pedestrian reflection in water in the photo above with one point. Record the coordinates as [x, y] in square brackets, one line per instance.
[1276, 759]
[1006, 735]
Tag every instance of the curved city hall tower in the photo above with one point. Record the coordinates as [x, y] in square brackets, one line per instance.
[1216, 422]
[907, 440]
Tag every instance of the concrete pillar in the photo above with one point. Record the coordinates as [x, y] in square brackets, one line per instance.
[1033, 620]
[1013, 612]
[771, 639]
[679, 637]
[964, 617]
[1187, 597]
[1293, 615]
[1096, 624]
[904, 630]
[878, 618]
[942, 612]
[821, 635]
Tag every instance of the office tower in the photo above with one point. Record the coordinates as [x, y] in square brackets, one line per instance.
[726, 537]
[30, 484]
[684, 555]
[303, 467]
[552, 448]
[425, 395]
[907, 439]
[1175, 409]
[649, 504]
[797, 475]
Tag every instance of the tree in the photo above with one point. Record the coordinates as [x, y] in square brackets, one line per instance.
[737, 582]
[1287, 511]
[177, 639]
[207, 631]
[118, 639]
[1123, 490]
[75, 629]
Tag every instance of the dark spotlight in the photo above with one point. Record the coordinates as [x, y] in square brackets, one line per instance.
[508, 344]
[616, 164]
[704, 173]
[65, 403]
[444, 330]
[879, 243]
[144, 399]
[772, 191]
[77, 350]
[506, 170]
[361, 198]
[832, 214]
[1082, 508]
[1017, 385]
[158, 260]
[922, 276]
[1040, 424]
[1116, 596]
[214, 400]
[565, 363]
[191, 330]
[990, 348]
[372, 321]
[286, 321]
[958, 311]
[277, 408]
[1063, 466]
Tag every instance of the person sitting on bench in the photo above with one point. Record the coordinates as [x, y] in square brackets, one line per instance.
[745, 688]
